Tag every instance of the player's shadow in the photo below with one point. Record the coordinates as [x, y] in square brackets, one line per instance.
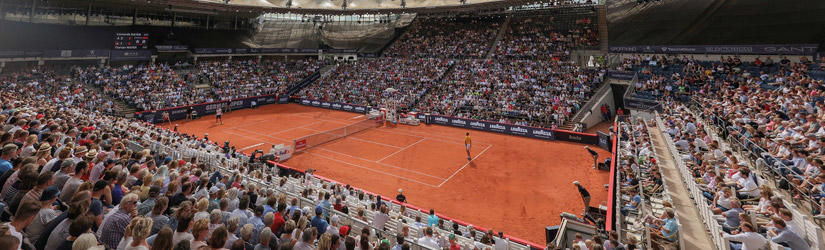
[472, 165]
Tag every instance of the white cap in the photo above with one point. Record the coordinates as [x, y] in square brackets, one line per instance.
[400, 190]
[575, 182]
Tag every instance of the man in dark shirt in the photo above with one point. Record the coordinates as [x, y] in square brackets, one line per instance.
[585, 195]
[400, 197]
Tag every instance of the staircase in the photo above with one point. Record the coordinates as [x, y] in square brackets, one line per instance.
[437, 81]
[309, 80]
[583, 111]
[120, 107]
[501, 31]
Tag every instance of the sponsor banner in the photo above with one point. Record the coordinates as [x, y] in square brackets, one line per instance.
[301, 144]
[341, 50]
[642, 104]
[12, 53]
[765, 49]
[253, 51]
[76, 53]
[179, 113]
[621, 75]
[55, 53]
[604, 141]
[525, 131]
[130, 55]
[334, 105]
[172, 48]
[571, 136]
[532, 132]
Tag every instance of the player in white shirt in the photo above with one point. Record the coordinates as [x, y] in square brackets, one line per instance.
[218, 114]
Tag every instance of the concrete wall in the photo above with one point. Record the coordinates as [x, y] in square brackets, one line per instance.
[595, 114]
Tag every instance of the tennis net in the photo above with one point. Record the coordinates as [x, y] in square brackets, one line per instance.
[313, 140]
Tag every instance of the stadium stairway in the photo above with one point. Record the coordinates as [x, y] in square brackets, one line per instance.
[693, 228]
[121, 108]
[437, 81]
[501, 31]
[582, 112]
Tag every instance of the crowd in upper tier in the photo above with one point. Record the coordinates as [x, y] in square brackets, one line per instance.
[524, 92]
[373, 81]
[447, 38]
[157, 86]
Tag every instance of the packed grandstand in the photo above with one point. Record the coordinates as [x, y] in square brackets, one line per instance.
[714, 150]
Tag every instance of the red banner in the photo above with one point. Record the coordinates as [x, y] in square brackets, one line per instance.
[300, 144]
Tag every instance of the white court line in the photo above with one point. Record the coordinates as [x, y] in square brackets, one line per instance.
[381, 163]
[306, 116]
[370, 169]
[290, 129]
[427, 137]
[465, 165]
[402, 149]
[356, 117]
[265, 135]
[446, 137]
[250, 146]
[248, 124]
[359, 139]
[254, 138]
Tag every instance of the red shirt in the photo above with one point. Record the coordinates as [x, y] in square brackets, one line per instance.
[277, 223]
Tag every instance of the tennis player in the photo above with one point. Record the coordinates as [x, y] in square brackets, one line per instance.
[218, 114]
[467, 144]
[166, 118]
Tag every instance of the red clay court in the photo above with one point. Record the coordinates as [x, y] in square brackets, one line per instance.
[513, 184]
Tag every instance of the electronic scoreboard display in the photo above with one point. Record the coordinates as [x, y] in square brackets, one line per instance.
[131, 41]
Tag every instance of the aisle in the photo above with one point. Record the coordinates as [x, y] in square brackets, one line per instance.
[696, 236]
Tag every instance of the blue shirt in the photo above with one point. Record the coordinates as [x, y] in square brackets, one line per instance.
[268, 209]
[432, 220]
[4, 166]
[670, 228]
[320, 224]
[327, 206]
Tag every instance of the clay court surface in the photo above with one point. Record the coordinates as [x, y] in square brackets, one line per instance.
[513, 184]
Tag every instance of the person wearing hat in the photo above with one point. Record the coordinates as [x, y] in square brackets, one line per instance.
[400, 197]
[454, 242]
[584, 194]
[8, 153]
[147, 205]
[45, 215]
[318, 221]
[79, 153]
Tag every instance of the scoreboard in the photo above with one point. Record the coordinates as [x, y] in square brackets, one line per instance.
[131, 41]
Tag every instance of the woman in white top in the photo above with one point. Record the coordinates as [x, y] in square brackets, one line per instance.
[141, 226]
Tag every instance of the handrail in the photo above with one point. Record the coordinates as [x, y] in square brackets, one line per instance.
[687, 180]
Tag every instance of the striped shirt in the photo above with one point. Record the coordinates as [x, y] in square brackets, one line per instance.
[114, 228]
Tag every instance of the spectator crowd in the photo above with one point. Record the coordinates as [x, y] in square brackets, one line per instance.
[159, 85]
[774, 109]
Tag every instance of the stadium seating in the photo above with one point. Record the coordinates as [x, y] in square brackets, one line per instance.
[447, 38]
[737, 130]
[525, 92]
[365, 82]
[157, 86]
